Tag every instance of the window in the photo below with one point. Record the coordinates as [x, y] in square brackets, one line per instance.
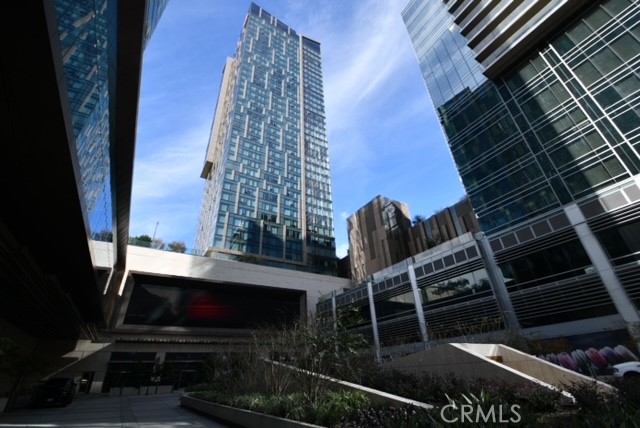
[550, 264]
[621, 241]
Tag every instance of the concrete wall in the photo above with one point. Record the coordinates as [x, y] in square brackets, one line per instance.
[166, 263]
[375, 395]
[490, 361]
[451, 360]
[85, 356]
[543, 370]
[241, 417]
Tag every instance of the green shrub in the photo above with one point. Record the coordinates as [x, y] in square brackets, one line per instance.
[618, 417]
[334, 406]
[388, 417]
[199, 387]
[212, 396]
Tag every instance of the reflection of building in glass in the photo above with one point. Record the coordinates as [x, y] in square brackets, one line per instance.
[267, 195]
[85, 41]
[543, 123]
[70, 96]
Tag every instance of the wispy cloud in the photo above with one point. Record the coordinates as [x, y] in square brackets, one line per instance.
[375, 103]
[167, 189]
[362, 62]
[174, 167]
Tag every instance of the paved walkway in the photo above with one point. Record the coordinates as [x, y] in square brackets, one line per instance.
[153, 411]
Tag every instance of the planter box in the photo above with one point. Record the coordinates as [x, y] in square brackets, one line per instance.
[245, 418]
[129, 390]
[165, 389]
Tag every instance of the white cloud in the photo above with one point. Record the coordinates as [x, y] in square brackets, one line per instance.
[167, 187]
[363, 60]
[171, 168]
[342, 250]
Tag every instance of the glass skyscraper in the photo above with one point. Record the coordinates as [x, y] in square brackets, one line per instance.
[86, 41]
[540, 105]
[267, 196]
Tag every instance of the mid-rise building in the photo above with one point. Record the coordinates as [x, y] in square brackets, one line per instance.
[539, 103]
[382, 233]
[378, 236]
[267, 195]
[443, 226]
[447, 292]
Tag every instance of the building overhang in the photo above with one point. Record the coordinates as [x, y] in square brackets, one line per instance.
[45, 240]
[501, 33]
[43, 209]
[125, 70]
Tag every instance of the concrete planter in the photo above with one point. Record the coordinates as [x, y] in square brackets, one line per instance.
[245, 418]
[164, 389]
[130, 390]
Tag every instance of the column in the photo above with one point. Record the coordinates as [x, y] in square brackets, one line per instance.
[497, 283]
[374, 321]
[603, 266]
[418, 301]
[334, 309]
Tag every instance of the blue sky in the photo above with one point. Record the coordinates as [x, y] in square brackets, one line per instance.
[384, 137]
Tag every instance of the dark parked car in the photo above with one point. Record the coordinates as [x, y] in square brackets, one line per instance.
[59, 390]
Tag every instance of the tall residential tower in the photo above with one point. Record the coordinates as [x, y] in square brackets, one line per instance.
[540, 104]
[267, 195]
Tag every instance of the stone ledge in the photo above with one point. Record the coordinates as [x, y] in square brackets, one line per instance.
[242, 417]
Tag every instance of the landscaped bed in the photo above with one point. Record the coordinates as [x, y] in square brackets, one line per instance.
[291, 373]
[497, 405]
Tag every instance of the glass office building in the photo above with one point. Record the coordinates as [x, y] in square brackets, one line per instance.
[85, 41]
[267, 196]
[540, 104]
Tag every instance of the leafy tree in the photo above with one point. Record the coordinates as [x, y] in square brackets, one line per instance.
[418, 218]
[141, 241]
[177, 246]
[321, 347]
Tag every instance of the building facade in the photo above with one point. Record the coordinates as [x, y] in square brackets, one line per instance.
[267, 195]
[86, 44]
[378, 236]
[539, 105]
[81, 61]
[442, 226]
[382, 233]
[445, 293]
[70, 97]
